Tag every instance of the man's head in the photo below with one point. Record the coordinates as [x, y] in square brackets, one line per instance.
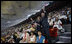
[42, 14]
[39, 33]
[38, 18]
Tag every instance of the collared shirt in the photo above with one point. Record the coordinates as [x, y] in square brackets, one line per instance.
[40, 40]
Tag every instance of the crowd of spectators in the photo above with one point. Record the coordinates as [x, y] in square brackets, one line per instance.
[44, 29]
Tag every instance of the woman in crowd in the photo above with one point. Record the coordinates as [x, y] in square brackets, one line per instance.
[40, 38]
[25, 36]
[32, 27]
[32, 38]
[58, 24]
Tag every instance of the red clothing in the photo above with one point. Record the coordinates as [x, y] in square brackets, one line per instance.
[53, 32]
[46, 41]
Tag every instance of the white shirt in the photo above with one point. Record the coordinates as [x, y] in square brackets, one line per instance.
[57, 24]
[53, 19]
[32, 38]
[50, 22]
[22, 35]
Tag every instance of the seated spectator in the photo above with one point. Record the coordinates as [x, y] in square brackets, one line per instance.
[32, 38]
[38, 20]
[32, 29]
[22, 41]
[11, 40]
[37, 26]
[25, 36]
[40, 38]
[32, 21]
[2, 40]
[21, 30]
[18, 39]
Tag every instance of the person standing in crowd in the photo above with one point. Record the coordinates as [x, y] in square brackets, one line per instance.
[58, 24]
[40, 38]
[53, 34]
[50, 21]
[32, 38]
[45, 26]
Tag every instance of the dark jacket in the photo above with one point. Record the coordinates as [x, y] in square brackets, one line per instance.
[45, 28]
[44, 23]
